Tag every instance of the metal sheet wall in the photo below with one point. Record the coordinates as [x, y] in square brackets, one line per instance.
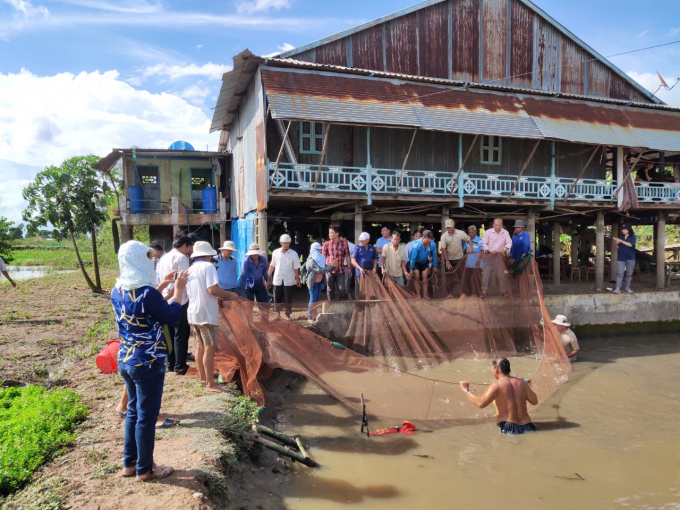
[245, 147]
[492, 41]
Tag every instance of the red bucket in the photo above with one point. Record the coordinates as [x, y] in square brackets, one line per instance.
[106, 360]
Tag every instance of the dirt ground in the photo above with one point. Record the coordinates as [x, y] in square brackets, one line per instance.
[50, 332]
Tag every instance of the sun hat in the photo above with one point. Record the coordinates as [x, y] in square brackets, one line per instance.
[285, 238]
[449, 223]
[365, 236]
[561, 320]
[519, 224]
[136, 268]
[229, 245]
[253, 249]
[203, 249]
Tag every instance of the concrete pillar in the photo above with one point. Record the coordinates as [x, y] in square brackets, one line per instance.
[358, 222]
[618, 169]
[261, 232]
[126, 233]
[614, 251]
[175, 230]
[556, 252]
[445, 216]
[223, 233]
[531, 228]
[599, 251]
[660, 246]
[574, 250]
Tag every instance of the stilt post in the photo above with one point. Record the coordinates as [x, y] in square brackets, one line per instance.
[661, 252]
[557, 230]
[599, 251]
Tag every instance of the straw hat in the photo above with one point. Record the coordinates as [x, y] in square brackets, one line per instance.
[449, 223]
[203, 249]
[285, 238]
[253, 249]
[229, 245]
[519, 224]
[561, 320]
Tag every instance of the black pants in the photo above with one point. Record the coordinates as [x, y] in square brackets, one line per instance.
[336, 286]
[283, 295]
[454, 277]
[180, 342]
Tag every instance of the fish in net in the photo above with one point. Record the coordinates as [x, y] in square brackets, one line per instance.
[397, 343]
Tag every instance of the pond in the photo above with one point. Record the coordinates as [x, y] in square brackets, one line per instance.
[28, 272]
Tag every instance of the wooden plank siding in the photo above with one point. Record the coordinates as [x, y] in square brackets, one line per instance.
[503, 42]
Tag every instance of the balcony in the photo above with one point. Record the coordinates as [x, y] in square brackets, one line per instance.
[381, 181]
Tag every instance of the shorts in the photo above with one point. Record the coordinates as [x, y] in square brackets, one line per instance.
[205, 333]
[422, 266]
[399, 280]
[512, 428]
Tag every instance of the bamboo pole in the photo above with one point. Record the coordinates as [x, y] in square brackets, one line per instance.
[276, 435]
[403, 167]
[280, 155]
[453, 183]
[590, 159]
[524, 167]
[323, 155]
[282, 450]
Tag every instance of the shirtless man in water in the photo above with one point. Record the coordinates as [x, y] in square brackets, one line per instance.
[510, 396]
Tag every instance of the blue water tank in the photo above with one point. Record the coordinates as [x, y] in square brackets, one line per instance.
[181, 146]
[209, 196]
[136, 199]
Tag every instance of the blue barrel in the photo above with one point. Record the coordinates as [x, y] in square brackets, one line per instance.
[209, 196]
[136, 199]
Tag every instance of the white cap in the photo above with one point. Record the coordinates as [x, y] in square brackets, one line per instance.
[561, 320]
[449, 223]
[203, 249]
[365, 236]
[285, 238]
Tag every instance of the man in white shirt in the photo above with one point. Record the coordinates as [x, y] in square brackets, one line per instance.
[285, 266]
[203, 288]
[177, 259]
[3, 270]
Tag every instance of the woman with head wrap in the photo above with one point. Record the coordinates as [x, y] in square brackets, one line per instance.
[316, 268]
[140, 312]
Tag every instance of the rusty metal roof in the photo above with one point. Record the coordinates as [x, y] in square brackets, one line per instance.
[351, 99]
[234, 85]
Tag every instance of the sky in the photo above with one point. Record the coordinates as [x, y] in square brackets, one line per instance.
[83, 76]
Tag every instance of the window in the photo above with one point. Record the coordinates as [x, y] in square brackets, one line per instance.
[311, 137]
[148, 175]
[491, 150]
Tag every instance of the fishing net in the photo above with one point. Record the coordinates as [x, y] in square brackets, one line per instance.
[405, 349]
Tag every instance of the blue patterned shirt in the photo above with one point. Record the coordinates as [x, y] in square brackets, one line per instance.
[140, 315]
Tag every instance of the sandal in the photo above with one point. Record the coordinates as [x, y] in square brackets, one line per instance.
[122, 415]
[168, 423]
[156, 473]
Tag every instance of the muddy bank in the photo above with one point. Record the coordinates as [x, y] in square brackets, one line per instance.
[50, 330]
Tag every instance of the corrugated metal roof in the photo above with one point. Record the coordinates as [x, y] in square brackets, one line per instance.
[234, 83]
[109, 161]
[332, 97]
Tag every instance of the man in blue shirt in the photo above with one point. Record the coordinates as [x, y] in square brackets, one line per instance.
[365, 256]
[472, 278]
[227, 269]
[423, 253]
[418, 234]
[626, 260]
[381, 243]
[255, 275]
[521, 242]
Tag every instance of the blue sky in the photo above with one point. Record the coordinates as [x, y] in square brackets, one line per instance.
[82, 76]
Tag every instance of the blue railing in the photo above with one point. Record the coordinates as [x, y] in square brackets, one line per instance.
[377, 181]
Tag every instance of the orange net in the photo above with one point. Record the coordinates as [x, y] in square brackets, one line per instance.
[404, 352]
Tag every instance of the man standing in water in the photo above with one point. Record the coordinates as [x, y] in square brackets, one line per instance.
[510, 396]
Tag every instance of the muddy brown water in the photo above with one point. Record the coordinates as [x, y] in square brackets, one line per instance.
[609, 438]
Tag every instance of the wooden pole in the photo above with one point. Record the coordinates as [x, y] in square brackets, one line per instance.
[573, 186]
[403, 167]
[557, 253]
[614, 250]
[323, 155]
[462, 165]
[599, 251]
[531, 228]
[280, 155]
[661, 252]
[631, 169]
[524, 167]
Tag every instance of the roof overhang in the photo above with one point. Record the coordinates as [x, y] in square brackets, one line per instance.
[296, 94]
[109, 161]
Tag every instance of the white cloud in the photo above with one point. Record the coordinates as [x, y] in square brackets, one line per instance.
[673, 32]
[126, 6]
[174, 72]
[196, 94]
[643, 33]
[199, 46]
[251, 6]
[282, 49]
[651, 82]
[26, 8]
[47, 119]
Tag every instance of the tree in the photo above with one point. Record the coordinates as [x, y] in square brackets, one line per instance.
[6, 237]
[72, 198]
[18, 231]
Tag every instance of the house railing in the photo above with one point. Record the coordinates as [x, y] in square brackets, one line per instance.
[377, 181]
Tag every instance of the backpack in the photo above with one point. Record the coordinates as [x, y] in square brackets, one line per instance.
[304, 274]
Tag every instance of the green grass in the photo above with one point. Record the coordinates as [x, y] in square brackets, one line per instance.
[35, 426]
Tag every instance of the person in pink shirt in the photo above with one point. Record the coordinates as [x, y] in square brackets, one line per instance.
[497, 242]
